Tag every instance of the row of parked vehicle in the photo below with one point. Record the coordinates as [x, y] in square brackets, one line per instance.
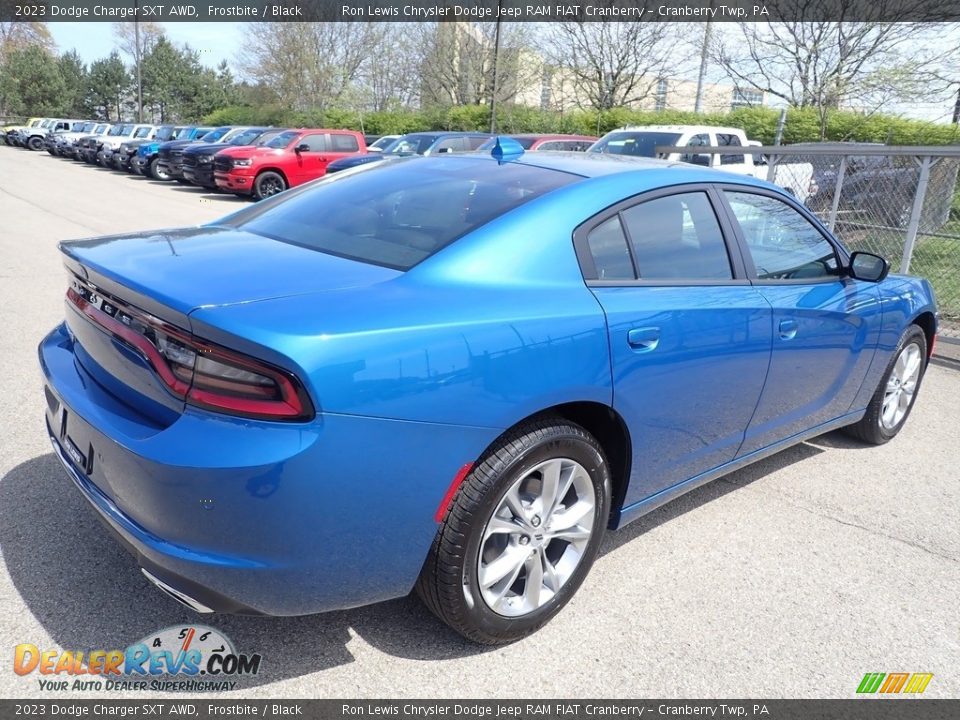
[262, 161]
[246, 161]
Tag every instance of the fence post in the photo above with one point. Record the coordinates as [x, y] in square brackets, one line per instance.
[772, 167]
[914, 225]
[835, 204]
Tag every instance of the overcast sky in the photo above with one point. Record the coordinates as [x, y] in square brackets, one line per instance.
[219, 41]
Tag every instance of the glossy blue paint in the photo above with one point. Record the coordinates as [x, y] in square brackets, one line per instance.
[415, 373]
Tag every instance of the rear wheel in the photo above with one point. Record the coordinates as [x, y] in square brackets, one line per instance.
[893, 400]
[35, 143]
[268, 183]
[521, 533]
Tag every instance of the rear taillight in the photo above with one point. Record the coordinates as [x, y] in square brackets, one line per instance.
[199, 372]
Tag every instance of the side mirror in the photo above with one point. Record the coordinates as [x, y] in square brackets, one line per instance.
[868, 267]
[302, 147]
[441, 151]
[697, 159]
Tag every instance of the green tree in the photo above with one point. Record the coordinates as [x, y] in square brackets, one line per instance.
[109, 83]
[32, 82]
[162, 76]
[74, 73]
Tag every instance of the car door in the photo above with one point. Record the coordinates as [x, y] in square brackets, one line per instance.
[341, 145]
[689, 335]
[313, 159]
[825, 325]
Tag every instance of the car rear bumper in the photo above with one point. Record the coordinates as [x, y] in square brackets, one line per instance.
[255, 517]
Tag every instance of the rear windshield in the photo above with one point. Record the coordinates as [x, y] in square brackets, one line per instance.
[399, 215]
[634, 143]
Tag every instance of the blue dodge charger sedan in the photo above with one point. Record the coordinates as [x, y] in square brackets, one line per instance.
[456, 373]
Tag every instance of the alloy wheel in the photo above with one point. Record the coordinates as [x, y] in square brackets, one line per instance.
[536, 536]
[901, 386]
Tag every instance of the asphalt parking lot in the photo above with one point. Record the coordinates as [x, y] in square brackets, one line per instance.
[790, 578]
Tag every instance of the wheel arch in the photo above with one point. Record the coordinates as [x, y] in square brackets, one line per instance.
[927, 322]
[272, 169]
[609, 429]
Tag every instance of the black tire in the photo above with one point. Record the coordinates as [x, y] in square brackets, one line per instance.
[449, 581]
[35, 143]
[871, 429]
[268, 183]
[155, 171]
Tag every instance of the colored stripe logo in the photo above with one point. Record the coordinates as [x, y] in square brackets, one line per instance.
[894, 683]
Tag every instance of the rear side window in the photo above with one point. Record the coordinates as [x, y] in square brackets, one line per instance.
[344, 143]
[608, 248]
[677, 237]
[402, 213]
[455, 144]
[475, 141]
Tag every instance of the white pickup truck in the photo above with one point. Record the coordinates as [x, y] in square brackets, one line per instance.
[643, 140]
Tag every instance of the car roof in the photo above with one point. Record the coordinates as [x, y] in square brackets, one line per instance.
[595, 164]
[598, 165]
[552, 136]
[447, 133]
[680, 128]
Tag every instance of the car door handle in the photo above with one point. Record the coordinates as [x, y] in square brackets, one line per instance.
[644, 339]
[788, 329]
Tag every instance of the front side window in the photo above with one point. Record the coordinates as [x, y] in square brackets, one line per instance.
[729, 140]
[315, 143]
[701, 140]
[783, 244]
[678, 237]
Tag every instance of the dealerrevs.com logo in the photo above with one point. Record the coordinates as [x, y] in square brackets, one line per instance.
[191, 658]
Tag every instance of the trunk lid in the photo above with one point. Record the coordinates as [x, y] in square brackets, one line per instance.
[168, 275]
[212, 266]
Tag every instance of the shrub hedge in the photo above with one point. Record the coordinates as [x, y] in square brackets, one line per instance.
[760, 123]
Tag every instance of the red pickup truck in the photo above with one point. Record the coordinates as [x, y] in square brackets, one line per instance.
[292, 158]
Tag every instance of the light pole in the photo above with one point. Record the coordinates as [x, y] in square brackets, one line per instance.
[136, 57]
[704, 52]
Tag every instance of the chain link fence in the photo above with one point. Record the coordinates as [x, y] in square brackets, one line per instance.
[899, 202]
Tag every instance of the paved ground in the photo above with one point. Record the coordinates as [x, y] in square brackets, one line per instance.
[791, 578]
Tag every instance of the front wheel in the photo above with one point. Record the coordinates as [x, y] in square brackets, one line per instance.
[268, 183]
[35, 143]
[893, 400]
[521, 533]
[157, 172]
